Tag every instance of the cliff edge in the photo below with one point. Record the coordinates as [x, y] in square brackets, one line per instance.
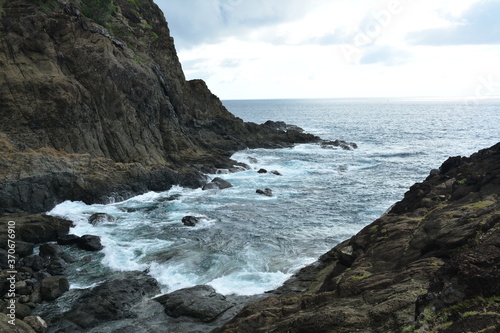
[431, 264]
[94, 104]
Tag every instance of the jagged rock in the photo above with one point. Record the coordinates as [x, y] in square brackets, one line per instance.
[201, 302]
[429, 264]
[190, 221]
[100, 218]
[217, 183]
[117, 124]
[267, 192]
[53, 287]
[338, 143]
[90, 243]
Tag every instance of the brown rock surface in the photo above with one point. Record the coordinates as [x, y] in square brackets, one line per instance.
[430, 265]
[88, 112]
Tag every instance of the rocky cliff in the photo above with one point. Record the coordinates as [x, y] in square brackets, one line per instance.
[94, 103]
[431, 264]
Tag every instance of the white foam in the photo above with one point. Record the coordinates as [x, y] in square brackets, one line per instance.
[248, 283]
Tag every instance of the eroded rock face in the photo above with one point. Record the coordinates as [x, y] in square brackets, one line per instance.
[90, 113]
[431, 263]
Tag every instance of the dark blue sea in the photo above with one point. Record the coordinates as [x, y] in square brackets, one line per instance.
[249, 243]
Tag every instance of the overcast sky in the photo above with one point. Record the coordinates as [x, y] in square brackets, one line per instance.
[257, 49]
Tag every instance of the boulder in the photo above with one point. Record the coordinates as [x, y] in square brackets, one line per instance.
[56, 266]
[20, 327]
[68, 239]
[100, 218]
[217, 183]
[190, 221]
[50, 250]
[24, 249]
[90, 243]
[35, 262]
[37, 323]
[111, 300]
[262, 171]
[53, 287]
[274, 172]
[201, 302]
[267, 192]
[36, 228]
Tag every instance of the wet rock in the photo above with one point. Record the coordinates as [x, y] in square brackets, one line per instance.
[56, 266]
[262, 171]
[338, 143]
[111, 300]
[53, 287]
[190, 221]
[201, 302]
[101, 218]
[267, 192]
[50, 250]
[22, 310]
[90, 243]
[274, 172]
[37, 323]
[217, 183]
[68, 239]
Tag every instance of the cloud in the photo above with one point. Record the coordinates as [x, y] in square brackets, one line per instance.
[479, 25]
[385, 55]
[196, 22]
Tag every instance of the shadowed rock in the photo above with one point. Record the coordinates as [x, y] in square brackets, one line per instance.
[100, 218]
[201, 302]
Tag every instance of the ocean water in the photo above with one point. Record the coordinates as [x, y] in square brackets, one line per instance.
[248, 243]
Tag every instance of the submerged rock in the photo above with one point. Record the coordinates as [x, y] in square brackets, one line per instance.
[338, 143]
[267, 192]
[190, 221]
[217, 183]
[100, 218]
[201, 302]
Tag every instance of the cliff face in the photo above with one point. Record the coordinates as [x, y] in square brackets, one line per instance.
[432, 264]
[87, 111]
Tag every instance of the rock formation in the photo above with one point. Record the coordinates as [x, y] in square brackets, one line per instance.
[88, 112]
[429, 265]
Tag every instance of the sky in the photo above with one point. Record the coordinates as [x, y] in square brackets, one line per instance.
[265, 49]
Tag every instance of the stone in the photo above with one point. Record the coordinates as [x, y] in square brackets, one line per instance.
[36, 228]
[20, 327]
[267, 192]
[101, 218]
[35, 262]
[201, 302]
[262, 171]
[217, 183]
[56, 266]
[53, 287]
[190, 221]
[24, 249]
[90, 243]
[37, 323]
[111, 300]
[274, 172]
[68, 240]
[50, 250]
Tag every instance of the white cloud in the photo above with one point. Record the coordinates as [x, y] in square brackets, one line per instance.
[295, 48]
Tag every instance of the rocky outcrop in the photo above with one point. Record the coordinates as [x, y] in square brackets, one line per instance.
[90, 113]
[431, 264]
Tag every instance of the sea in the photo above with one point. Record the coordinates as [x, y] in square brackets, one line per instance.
[248, 243]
